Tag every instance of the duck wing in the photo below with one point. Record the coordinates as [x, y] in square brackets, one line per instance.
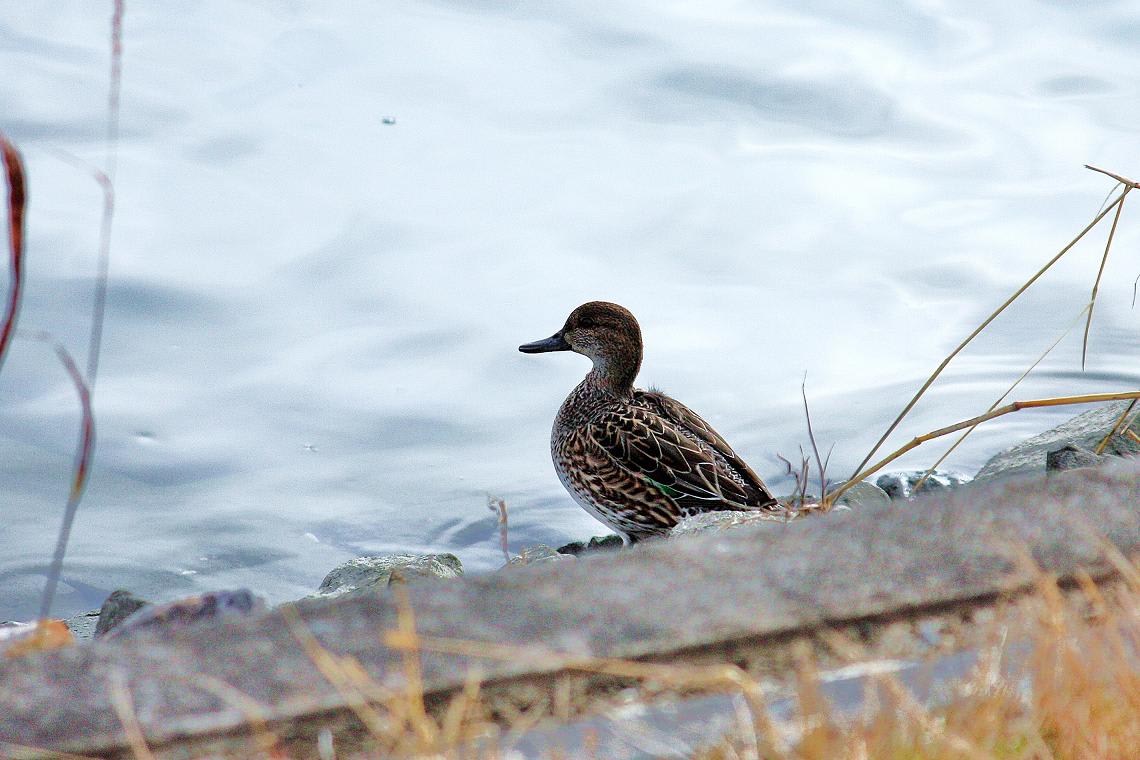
[663, 443]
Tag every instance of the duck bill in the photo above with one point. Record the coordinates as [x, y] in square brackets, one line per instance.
[554, 343]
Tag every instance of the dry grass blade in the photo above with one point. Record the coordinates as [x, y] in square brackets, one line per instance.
[1016, 406]
[499, 507]
[907, 703]
[84, 450]
[99, 306]
[819, 733]
[409, 643]
[1127, 569]
[815, 448]
[1122, 180]
[1099, 274]
[459, 711]
[1120, 424]
[1017, 294]
[335, 671]
[798, 498]
[253, 711]
[115, 91]
[1083, 700]
[930, 471]
[23, 752]
[125, 709]
[722, 677]
[106, 182]
[17, 202]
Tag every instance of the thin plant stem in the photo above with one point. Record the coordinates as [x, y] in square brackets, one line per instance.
[22, 751]
[17, 202]
[974, 421]
[1116, 428]
[107, 183]
[84, 449]
[926, 475]
[814, 446]
[256, 714]
[499, 507]
[1099, 274]
[125, 710]
[1122, 180]
[1016, 294]
[334, 670]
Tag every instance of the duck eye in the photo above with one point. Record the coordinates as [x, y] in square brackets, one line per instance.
[587, 323]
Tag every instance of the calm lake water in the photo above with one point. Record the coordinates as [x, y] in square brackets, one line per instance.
[336, 222]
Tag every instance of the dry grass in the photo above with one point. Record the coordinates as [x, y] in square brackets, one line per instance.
[17, 206]
[1075, 695]
[1116, 205]
[499, 507]
[84, 383]
[863, 471]
[1057, 678]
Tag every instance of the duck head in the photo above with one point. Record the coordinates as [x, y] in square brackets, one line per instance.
[606, 333]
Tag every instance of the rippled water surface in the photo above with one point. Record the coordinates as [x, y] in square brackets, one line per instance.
[336, 222]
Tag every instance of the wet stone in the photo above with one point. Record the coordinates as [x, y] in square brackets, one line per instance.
[83, 626]
[1084, 431]
[211, 606]
[1071, 457]
[900, 485]
[535, 554]
[120, 605]
[714, 522]
[368, 575]
[423, 571]
[597, 543]
[863, 495]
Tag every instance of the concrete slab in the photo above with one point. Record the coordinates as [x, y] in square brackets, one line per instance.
[702, 598]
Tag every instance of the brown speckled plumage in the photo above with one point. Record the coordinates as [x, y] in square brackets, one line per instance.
[637, 460]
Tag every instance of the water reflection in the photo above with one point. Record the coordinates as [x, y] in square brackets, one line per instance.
[840, 109]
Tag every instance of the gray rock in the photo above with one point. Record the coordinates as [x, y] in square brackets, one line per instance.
[900, 485]
[859, 496]
[862, 495]
[83, 626]
[424, 571]
[210, 606]
[714, 522]
[534, 554]
[120, 605]
[367, 575]
[1084, 431]
[595, 544]
[1071, 457]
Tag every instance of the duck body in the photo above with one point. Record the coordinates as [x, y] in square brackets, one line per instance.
[638, 461]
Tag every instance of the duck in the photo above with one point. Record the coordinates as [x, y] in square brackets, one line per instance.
[638, 460]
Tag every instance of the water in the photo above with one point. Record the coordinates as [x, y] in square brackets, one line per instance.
[310, 347]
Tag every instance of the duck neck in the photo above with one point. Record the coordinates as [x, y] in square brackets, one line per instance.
[615, 375]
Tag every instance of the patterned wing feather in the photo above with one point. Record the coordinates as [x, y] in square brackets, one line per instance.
[624, 499]
[680, 463]
[693, 426]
